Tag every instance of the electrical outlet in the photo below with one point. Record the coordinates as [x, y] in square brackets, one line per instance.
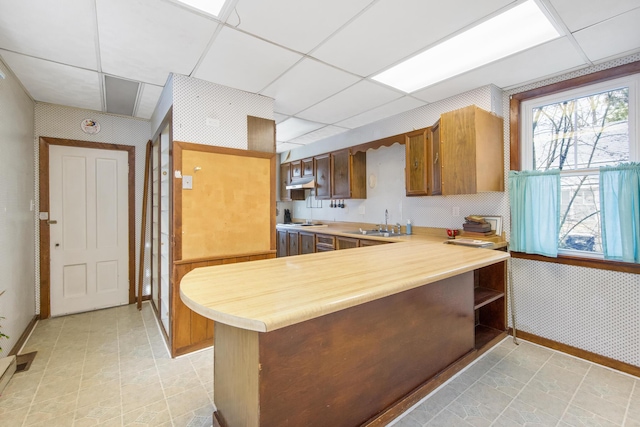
[456, 211]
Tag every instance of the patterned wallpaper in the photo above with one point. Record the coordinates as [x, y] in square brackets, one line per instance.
[16, 216]
[595, 310]
[195, 101]
[64, 122]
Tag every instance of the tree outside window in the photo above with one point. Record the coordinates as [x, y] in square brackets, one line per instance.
[578, 136]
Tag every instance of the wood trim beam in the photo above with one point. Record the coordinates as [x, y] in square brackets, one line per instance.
[600, 264]
[578, 352]
[25, 334]
[588, 79]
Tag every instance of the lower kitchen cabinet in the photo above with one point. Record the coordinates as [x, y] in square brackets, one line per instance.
[325, 242]
[346, 243]
[366, 242]
[307, 243]
[293, 243]
[282, 241]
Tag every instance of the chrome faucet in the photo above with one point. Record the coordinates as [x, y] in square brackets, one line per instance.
[386, 219]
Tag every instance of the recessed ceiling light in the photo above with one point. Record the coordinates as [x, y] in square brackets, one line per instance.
[212, 7]
[515, 30]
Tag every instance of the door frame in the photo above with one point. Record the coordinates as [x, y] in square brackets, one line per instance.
[43, 179]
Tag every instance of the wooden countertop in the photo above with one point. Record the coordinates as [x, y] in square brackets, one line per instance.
[271, 294]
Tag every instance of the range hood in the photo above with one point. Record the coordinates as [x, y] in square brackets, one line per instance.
[301, 183]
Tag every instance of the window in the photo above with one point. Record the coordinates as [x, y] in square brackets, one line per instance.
[577, 131]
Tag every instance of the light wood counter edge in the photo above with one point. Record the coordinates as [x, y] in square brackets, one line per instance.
[277, 321]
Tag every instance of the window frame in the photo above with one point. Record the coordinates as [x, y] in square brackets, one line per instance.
[517, 146]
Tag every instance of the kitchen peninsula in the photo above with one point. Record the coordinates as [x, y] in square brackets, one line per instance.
[344, 338]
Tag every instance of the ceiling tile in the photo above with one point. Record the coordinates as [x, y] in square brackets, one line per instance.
[148, 100]
[298, 25]
[55, 83]
[393, 29]
[63, 31]
[306, 84]
[244, 62]
[319, 134]
[361, 97]
[583, 13]
[294, 127]
[280, 117]
[145, 40]
[613, 37]
[281, 147]
[541, 61]
[398, 106]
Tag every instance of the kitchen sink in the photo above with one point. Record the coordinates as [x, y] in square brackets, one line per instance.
[374, 233]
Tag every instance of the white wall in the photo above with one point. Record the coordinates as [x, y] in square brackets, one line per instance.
[16, 218]
[64, 122]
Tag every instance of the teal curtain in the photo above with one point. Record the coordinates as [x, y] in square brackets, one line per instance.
[535, 211]
[620, 212]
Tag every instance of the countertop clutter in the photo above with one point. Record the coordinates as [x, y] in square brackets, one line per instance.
[271, 294]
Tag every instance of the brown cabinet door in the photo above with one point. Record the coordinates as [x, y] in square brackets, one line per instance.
[371, 242]
[282, 244]
[417, 165]
[458, 151]
[307, 243]
[435, 164]
[285, 179]
[296, 169]
[323, 177]
[293, 243]
[340, 177]
[346, 243]
[307, 168]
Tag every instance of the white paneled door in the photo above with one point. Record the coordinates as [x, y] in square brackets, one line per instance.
[88, 213]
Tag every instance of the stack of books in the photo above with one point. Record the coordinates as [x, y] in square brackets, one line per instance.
[477, 227]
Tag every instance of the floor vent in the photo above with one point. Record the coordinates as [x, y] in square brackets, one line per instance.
[23, 361]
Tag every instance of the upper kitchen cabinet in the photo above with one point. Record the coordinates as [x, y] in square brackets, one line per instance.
[348, 175]
[307, 168]
[471, 151]
[296, 169]
[285, 180]
[323, 176]
[422, 170]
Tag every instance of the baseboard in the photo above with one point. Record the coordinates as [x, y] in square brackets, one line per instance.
[578, 352]
[23, 338]
[7, 369]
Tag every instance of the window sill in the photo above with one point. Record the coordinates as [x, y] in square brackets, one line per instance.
[600, 264]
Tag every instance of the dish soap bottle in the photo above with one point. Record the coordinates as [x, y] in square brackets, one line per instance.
[408, 226]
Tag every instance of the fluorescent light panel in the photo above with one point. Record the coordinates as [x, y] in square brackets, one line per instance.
[515, 30]
[212, 7]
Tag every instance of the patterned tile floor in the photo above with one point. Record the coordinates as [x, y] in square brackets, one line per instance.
[108, 368]
[529, 385]
[111, 368]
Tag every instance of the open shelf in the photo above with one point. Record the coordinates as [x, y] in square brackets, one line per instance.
[485, 335]
[484, 296]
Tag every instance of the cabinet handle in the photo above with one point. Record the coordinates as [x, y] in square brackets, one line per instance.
[415, 164]
[436, 159]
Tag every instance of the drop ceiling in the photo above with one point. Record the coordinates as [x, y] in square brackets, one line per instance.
[314, 58]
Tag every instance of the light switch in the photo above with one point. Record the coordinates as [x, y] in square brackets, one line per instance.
[187, 182]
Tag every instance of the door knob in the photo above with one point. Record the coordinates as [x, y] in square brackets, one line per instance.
[52, 221]
[57, 245]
